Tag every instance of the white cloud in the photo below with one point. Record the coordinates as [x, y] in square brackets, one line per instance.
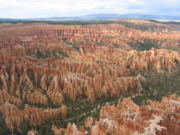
[47, 8]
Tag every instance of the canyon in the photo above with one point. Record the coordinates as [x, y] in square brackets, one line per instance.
[98, 79]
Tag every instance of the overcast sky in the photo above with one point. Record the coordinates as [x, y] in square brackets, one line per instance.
[59, 8]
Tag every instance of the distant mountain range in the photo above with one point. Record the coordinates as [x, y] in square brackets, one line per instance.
[101, 17]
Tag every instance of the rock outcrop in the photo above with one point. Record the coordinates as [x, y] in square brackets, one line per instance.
[155, 118]
[14, 118]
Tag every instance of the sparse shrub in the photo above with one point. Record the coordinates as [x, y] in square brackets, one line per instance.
[158, 85]
[146, 46]
[100, 43]
[116, 45]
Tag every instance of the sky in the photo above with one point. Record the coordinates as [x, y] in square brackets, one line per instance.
[62, 8]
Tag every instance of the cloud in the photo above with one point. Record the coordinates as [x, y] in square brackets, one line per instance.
[48, 8]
